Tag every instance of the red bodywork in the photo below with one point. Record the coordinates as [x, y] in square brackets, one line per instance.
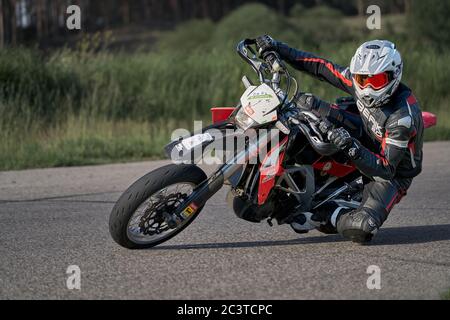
[221, 114]
[271, 169]
[429, 119]
[334, 168]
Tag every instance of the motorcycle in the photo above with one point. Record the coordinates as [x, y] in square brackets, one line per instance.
[299, 171]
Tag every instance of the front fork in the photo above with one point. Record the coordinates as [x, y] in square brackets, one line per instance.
[213, 184]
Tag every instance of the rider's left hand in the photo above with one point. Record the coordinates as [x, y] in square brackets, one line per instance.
[265, 43]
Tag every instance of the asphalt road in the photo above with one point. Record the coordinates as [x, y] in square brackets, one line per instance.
[53, 218]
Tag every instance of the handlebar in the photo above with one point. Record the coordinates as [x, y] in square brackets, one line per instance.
[243, 49]
[271, 63]
[316, 135]
[274, 61]
[270, 59]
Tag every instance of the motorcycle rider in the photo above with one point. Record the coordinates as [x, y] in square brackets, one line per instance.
[388, 154]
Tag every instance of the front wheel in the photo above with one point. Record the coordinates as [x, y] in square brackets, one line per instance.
[137, 220]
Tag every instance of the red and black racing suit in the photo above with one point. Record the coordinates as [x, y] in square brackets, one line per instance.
[392, 140]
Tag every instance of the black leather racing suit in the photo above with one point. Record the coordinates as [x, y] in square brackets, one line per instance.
[391, 136]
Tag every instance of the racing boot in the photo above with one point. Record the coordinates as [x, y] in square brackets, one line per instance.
[360, 225]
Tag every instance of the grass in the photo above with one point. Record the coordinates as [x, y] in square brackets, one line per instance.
[446, 295]
[88, 106]
[78, 142]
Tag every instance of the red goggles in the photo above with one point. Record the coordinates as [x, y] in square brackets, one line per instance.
[377, 82]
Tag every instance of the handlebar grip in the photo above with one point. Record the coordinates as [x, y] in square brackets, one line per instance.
[323, 148]
[249, 42]
[325, 126]
[270, 57]
[273, 60]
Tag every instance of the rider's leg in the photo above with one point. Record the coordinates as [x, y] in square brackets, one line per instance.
[361, 224]
[378, 200]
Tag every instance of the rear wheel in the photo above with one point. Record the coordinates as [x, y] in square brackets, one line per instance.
[139, 218]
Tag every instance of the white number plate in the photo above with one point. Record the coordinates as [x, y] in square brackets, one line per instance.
[192, 142]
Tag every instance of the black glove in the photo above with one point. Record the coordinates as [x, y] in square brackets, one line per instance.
[266, 43]
[341, 138]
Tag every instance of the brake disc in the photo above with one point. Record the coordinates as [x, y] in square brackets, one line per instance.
[153, 221]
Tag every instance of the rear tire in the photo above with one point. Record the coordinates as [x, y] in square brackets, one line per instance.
[142, 190]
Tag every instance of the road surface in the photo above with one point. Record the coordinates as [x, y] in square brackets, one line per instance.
[53, 218]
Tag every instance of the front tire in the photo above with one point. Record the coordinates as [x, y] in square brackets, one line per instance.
[143, 194]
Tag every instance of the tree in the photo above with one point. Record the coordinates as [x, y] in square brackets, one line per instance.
[40, 12]
[175, 8]
[13, 23]
[126, 13]
[360, 6]
[407, 6]
[2, 26]
[282, 6]
[43, 20]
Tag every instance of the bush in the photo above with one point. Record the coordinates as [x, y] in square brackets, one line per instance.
[318, 12]
[189, 36]
[251, 21]
[76, 107]
[321, 25]
[297, 11]
[430, 22]
[34, 88]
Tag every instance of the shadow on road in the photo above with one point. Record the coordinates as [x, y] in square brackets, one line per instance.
[387, 236]
[252, 244]
[413, 235]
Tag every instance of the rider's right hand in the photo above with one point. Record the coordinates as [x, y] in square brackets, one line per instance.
[266, 43]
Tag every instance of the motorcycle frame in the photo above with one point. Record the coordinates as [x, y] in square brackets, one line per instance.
[271, 174]
[216, 181]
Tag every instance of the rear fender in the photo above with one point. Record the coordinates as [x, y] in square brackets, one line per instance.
[429, 119]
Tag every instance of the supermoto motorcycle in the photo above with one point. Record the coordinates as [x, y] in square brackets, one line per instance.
[284, 167]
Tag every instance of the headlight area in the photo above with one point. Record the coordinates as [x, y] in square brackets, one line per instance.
[244, 121]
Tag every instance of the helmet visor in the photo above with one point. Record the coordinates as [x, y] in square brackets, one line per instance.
[377, 82]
